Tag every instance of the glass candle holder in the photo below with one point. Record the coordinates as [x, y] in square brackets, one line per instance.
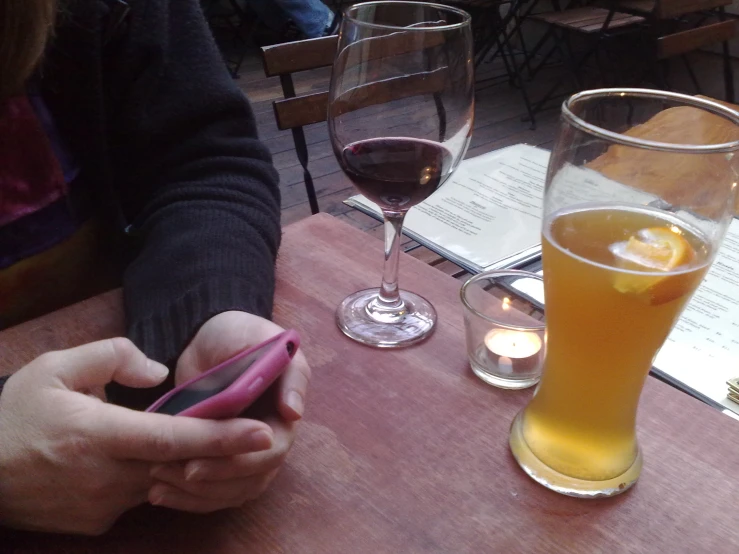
[505, 333]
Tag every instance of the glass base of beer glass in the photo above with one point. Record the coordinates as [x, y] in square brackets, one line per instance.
[361, 318]
[561, 483]
[502, 382]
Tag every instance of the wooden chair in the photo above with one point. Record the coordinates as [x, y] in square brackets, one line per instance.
[679, 27]
[295, 112]
[232, 27]
[599, 26]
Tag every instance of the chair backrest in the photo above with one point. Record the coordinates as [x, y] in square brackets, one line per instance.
[292, 57]
[676, 44]
[283, 60]
[670, 9]
[297, 111]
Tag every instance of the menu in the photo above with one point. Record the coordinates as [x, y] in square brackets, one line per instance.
[702, 352]
[488, 216]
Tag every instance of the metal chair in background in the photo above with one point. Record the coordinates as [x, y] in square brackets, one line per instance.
[598, 30]
[678, 27]
[295, 112]
[231, 26]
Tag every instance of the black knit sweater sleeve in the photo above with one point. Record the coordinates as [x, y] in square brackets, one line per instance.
[199, 186]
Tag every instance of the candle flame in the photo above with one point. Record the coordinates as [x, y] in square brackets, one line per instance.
[506, 303]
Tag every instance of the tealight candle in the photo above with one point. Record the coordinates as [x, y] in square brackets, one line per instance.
[506, 345]
[513, 344]
[517, 349]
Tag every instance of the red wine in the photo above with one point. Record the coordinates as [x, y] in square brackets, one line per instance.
[397, 173]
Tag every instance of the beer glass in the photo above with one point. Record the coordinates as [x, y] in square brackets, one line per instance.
[639, 192]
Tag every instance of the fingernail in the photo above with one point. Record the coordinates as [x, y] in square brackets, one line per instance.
[192, 471]
[157, 499]
[261, 440]
[295, 401]
[156, 470]
[156, 370]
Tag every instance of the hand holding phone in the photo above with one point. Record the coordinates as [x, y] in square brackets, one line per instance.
[228, 389]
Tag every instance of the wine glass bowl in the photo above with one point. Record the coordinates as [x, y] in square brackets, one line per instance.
[400, 115]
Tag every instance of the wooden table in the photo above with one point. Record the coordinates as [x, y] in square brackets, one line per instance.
[406, 451]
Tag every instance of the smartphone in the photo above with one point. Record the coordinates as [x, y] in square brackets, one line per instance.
[228, 389]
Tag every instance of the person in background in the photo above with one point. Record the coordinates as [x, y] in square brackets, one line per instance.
[311, 17]
[127, 152]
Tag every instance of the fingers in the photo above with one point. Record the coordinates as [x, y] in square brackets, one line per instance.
[232, 467]
[218, 469]
[96, 364]
[126, 434]
[220, 338]
[212, 469]
[234, 495]
[227, 333]
[293, 387]
[231, 490]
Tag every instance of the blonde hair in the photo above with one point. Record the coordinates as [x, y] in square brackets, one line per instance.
[25, 28]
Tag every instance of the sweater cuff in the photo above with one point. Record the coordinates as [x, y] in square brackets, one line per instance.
[164, 335]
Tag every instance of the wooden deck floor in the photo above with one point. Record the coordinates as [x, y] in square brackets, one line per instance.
[498, 123]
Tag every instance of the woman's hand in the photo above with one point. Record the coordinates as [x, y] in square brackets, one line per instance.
[210, 483]
[71, 463]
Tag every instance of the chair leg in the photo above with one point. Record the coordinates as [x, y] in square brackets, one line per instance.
[575, 67]
[569, 59]
[602, 75]
[693, 78]
[505, 53]
[728, 74]
[491, 39]
[535, 50]
[301, 149]
[540, 104]
[522, 42]
[516, 76]
[441, 113]
[301, 146]
[485, 50]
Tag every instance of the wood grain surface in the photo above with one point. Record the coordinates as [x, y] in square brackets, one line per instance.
[301, 110]
[688, 41]
[301, 55]
[406, 451]
[666, 9]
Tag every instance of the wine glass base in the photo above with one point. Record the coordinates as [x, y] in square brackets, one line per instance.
[564, 484]
[410, 326]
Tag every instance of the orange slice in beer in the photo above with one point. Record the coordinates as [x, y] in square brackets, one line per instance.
[653, 252]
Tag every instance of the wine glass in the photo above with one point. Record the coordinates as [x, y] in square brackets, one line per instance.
[400, 117]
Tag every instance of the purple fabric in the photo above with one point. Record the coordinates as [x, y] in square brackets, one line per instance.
[36, 232]
[36, 172]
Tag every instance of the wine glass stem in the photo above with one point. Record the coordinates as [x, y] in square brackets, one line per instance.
[389, 297]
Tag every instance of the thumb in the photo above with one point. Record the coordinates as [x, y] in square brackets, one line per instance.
[98, 363]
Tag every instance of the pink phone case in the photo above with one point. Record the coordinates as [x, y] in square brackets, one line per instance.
[246, 388]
